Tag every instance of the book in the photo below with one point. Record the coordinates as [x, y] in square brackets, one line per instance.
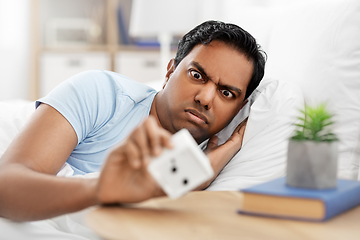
[123, 31]
[276, 199]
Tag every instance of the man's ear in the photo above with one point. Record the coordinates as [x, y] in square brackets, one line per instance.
[170, 70]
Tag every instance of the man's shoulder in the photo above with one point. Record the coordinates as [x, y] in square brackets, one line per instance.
[103, 81]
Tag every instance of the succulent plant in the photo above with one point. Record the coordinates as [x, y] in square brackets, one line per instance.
[314, 125]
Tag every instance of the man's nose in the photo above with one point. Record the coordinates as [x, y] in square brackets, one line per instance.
[206, 94]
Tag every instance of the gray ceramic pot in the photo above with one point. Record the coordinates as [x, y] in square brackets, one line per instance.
[312, 165]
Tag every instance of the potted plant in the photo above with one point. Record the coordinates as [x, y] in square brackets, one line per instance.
[313, 151]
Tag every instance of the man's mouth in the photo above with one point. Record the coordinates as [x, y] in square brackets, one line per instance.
[196, 116]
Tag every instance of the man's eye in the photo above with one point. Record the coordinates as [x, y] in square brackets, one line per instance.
[227, 93]
[196, 75]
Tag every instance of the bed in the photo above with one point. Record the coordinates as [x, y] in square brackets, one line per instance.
[313, 56]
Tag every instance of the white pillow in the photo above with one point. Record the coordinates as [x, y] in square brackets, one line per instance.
[274, 107]
[317, 46]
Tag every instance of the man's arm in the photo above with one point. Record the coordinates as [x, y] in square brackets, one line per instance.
[30, 191]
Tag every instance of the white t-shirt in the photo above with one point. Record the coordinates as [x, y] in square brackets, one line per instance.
[103, 107]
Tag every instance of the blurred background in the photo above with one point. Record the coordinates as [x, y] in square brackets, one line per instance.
[43, 42]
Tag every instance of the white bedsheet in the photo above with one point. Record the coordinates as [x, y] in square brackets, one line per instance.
[69, 227]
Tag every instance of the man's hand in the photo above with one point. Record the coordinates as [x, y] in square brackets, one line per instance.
[235, 140]
[124, 177]
[219, 156]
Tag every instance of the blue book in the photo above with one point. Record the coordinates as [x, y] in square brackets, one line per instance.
[123, 31]
[276, 199]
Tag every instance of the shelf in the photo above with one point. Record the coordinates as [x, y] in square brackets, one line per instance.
[58, 26]
[139, 62]
[93, 48]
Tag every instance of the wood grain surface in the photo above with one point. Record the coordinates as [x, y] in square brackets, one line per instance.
[211, 215]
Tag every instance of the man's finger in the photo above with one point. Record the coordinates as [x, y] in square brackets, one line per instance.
[152, 129]
[165, 137]
[213, 143]
[132, 155]
[242, 125]
[140, 139]
[158, 137]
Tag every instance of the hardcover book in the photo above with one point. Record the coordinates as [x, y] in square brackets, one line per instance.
[276, 199]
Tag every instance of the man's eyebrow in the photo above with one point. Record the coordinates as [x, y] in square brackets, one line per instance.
[232, 88]
[202, 70]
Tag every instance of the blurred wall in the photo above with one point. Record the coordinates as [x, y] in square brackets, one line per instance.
[14, 49]
[15, 36]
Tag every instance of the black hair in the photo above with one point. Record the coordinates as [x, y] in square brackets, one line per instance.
[232, 35]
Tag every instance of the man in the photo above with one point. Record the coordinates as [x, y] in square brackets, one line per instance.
[101, 120]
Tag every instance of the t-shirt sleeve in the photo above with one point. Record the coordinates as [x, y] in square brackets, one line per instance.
[82, 98]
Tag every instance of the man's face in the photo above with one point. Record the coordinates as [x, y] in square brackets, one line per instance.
[205, 91]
